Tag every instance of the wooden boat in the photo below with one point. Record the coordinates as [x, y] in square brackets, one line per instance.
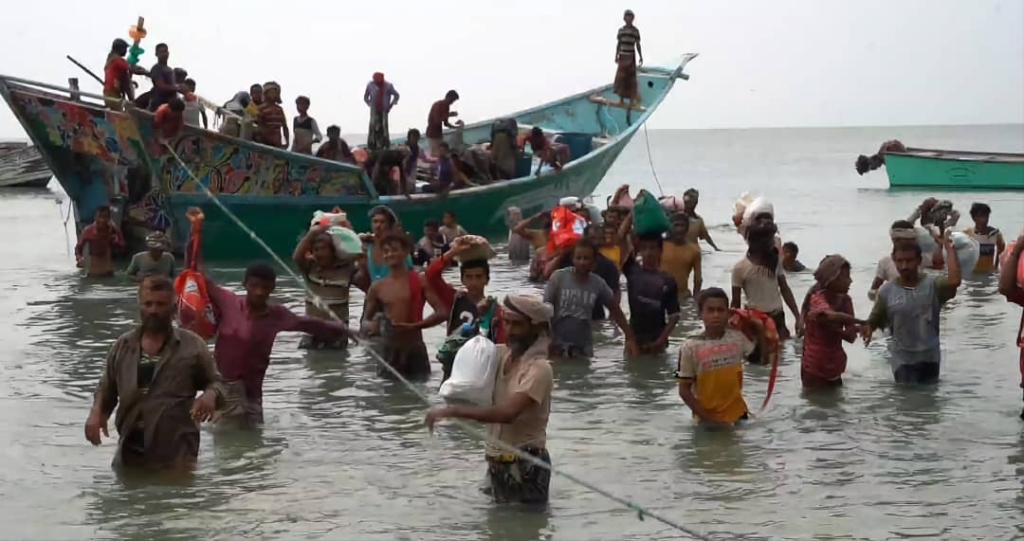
[105, 157]
[932, 168]
[22, 166]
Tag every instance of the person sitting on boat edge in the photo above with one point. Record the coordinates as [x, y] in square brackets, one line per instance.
[439, 118]
[271, 121]
[157, 410]
[117, 76]
[155, 260]
[394, 310]
[522, 405]
[335, 148]
[328, 277]
[103, 239]
[305, 130]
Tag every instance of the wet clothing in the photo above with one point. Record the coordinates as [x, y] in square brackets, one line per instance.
[380, 271]
[410, 360]
[679, 260]
[245, 340]
[715, 366]
[990, 244]
[605, 269]
[823, 358]
[653, 298]
[154, 396]
[574, 299]
[102, 243]
[142, 264]
[912, 315]
[510, 478]
[333, 287]
[760, 286]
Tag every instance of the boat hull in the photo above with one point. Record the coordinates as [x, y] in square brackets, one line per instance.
[105, 157]
[22, 166]
[923, 168]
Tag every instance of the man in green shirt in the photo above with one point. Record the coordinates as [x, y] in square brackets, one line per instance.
[156, 260]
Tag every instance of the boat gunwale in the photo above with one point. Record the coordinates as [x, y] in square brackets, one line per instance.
[8, 83]
[968, 155]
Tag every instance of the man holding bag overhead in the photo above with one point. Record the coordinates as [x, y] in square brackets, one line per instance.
[522, 403]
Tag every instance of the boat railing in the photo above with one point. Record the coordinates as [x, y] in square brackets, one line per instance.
[70, 91]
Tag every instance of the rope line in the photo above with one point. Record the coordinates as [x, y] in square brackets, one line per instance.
[650, 160]
[641, 511]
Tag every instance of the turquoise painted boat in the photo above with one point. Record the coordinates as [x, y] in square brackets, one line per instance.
[946, 169]
[105, 157]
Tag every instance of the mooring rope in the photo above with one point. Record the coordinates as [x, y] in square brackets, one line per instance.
[650, 160]
[472, 430]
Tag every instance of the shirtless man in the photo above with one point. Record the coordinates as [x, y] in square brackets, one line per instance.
[401, 294]
[103, 239]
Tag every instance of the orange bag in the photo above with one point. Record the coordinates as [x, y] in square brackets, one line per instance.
[1004, 260]
[740, 320]
[195, 311]
[566, 228]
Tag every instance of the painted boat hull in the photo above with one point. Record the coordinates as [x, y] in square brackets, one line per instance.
[928, 168]
[104, 157]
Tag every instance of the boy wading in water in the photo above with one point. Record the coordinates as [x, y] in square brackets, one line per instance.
[653, 297]
[760, 277]
[522, 404]
[828, 320]
[909, 307]
[401, 295]
[710, 367]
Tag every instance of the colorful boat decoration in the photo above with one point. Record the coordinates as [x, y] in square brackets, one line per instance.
[954, 169]
[22, 166]
[105, 157]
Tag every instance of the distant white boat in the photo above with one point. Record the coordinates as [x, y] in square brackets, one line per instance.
[22, 166]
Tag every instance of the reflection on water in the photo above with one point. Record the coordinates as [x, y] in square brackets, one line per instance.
[344, 454]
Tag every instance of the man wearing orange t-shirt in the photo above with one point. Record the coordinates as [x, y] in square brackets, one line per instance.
[170, 117]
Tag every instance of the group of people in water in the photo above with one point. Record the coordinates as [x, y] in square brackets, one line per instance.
[154, 371]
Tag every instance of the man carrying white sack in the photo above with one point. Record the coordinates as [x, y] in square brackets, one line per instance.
[522, 403]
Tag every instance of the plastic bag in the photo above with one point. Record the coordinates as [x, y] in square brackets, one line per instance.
[740, 206]
[927, 242]
[967, 251]
[570, 201]
[621, 198]
[566, 228]
[757, 207]
[327, 219]
[194, 309]
[648, 216]
[481, 249]
[346, 242]
[473, 373]
[671, 204]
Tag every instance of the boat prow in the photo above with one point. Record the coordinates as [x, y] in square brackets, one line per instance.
[107, 157]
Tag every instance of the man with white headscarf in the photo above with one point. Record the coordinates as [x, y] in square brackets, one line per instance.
[157, 259]
[518, 416]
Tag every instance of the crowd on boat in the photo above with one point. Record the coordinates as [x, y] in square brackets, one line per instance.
[579, 254]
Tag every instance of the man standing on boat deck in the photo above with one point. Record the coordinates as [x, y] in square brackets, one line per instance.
[117, 76]
[628, 55]
[522, 404]
[380, 96]
[439, 118]
[152, 376]
[164, 86]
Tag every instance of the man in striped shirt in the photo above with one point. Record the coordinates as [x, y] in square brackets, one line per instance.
[627, 52]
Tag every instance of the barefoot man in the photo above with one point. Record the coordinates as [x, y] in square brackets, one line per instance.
[152, 375]
[402, 295]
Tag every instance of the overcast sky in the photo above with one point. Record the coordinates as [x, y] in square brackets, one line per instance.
[777, 63]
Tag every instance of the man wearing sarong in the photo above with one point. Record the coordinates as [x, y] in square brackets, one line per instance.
[628, 55]
[152, 375]
[247, 327]
[522, 404]
[380, 96]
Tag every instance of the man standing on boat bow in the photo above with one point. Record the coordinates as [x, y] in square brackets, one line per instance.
[627, 53]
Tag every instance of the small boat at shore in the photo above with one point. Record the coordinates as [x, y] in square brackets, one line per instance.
[954, 169]
[22, 166]
[106, 157]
